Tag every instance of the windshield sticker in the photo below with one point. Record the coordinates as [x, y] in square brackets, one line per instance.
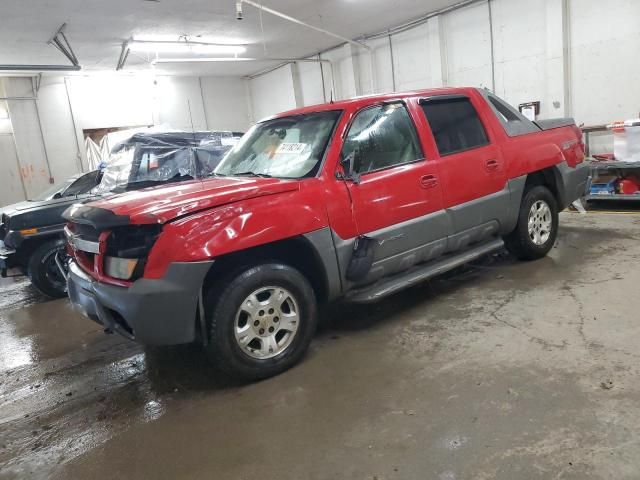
[294, 148]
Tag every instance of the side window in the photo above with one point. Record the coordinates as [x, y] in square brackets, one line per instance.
[455, 124]
[83, 184]
[382, 136]
[513, 122]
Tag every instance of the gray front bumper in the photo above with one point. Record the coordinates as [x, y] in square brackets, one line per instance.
[152, 312]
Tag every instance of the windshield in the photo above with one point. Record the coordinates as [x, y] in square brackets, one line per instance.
[289, 147]
[50, 192]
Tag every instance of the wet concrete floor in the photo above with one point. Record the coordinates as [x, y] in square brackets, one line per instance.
[499, 370]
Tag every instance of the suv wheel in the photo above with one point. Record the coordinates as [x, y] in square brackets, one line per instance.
[44, 272]
[537, 226]
[262, 321]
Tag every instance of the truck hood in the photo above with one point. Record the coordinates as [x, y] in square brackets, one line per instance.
[35, 205]
[163, 204]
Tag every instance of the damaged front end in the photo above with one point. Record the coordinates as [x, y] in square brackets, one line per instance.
[106, 279]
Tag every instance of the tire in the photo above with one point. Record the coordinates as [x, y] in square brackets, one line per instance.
[540, 204]
[243, 310]
[43, 271]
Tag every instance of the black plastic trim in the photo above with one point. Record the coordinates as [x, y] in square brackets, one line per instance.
[98, 218]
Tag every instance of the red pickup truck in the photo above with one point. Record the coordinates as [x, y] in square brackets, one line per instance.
[355, 199]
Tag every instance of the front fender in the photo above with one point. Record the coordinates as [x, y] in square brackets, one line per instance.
[235, 227]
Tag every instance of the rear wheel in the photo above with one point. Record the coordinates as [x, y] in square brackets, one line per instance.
[44, 272]
[537, 228]
[262, 321]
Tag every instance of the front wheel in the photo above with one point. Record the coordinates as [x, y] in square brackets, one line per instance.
[537, 228]
[44, 272]
[262, 321]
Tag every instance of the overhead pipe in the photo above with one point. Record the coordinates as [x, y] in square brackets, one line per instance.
[17, 98]
[40, 68]
[299, 22]
[60, 42]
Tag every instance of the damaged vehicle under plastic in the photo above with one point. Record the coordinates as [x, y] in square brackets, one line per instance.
[32, 231]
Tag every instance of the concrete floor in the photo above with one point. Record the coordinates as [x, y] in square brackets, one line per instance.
[501, 370]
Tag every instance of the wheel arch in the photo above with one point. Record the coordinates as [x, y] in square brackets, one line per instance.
[550, 178]
[301, 252]
[30, 244]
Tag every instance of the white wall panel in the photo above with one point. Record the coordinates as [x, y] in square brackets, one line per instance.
[466, 36]
[57, 128]
[344, 78]
[112, 100]
[11, 191]
[272, 93]
[528, 53]
[178, 103]
[26, 132]
[411, 59]
[310, 81]
[382, 64]
[225, 103]
[605, 47]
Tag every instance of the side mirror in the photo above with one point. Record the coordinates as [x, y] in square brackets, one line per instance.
[57, 196]
[351, 164]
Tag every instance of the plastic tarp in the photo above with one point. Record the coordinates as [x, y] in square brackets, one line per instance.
[149, 159]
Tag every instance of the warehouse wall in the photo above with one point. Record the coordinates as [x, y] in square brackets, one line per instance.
[43, 138]
[593, 81]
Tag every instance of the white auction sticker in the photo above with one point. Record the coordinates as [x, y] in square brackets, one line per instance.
[296, 148]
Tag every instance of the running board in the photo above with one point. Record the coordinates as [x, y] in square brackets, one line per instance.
[391, 285]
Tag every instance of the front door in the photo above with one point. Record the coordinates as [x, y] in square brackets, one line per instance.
[398, 200]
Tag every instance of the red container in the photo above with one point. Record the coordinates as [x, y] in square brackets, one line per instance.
[628, 186]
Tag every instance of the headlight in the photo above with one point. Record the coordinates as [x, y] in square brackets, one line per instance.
[121, 268]
[127, 250]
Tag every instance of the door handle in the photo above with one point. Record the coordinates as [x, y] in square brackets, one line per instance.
[428, 181]
[491, 165]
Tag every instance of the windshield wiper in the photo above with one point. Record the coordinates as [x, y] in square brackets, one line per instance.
[251, 174]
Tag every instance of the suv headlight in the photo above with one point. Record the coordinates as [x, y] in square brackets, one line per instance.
[127, 250]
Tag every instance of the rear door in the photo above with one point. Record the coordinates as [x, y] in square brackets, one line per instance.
[472, 170]
[398, 200]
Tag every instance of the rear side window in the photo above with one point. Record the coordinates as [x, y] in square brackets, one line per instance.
[455, 124]
[382, 136]
[513, 122]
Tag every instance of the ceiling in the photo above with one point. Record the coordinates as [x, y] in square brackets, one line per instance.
[96, 29]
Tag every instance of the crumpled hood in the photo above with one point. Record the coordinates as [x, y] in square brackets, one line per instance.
[163, 204]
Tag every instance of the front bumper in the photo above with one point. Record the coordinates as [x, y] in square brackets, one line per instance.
[152, 312]
[7, 259]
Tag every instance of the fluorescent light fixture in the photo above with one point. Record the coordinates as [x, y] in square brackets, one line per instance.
[184, 47]
[202, 59]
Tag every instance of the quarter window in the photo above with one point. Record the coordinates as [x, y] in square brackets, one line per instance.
[455, 124]
[382, 137]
